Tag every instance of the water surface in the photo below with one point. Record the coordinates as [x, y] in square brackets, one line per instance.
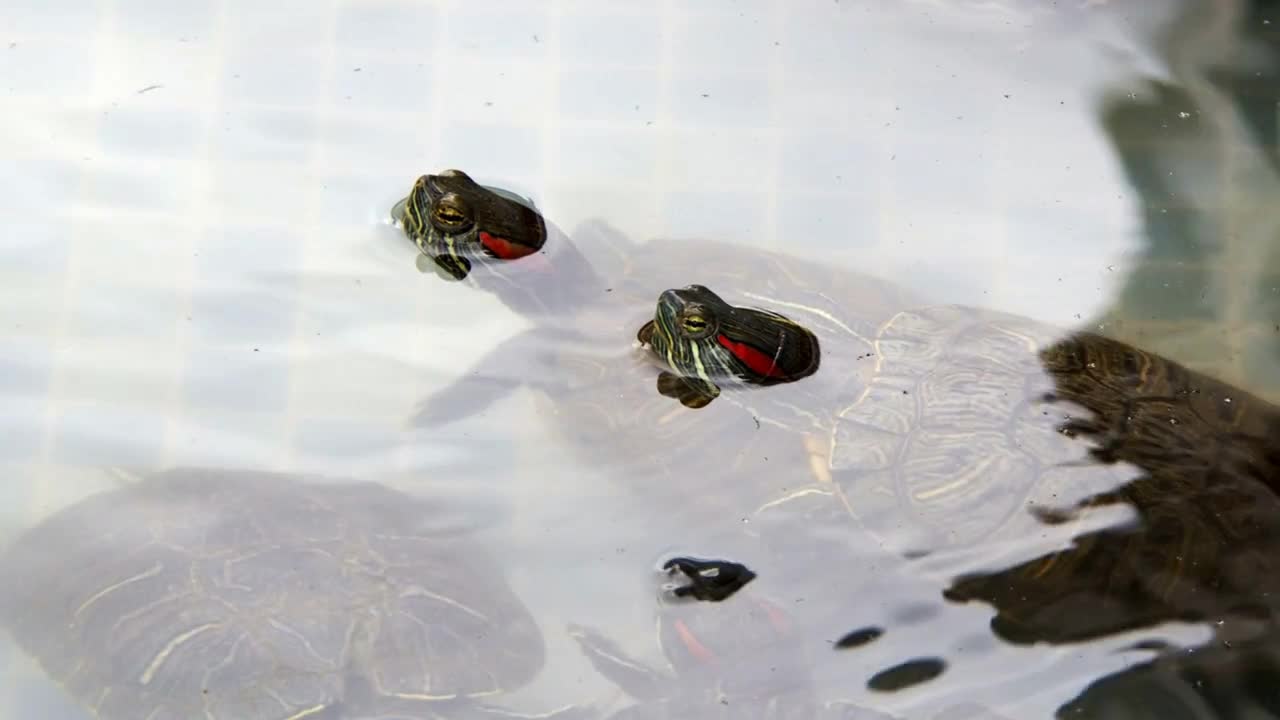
[199, 270]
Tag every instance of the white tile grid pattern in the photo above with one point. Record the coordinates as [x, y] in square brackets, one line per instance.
[219, 286]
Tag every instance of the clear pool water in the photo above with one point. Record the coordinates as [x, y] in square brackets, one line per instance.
[199, 268]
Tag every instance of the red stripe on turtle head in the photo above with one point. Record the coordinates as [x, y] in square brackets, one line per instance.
[777, 618]
[692, 644]
[760, 363]
[504, 248]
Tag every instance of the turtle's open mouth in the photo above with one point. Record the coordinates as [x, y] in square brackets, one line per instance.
[646, 333]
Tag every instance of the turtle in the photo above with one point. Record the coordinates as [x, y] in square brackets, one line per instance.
[737, 658]
[734, 656]
[934, 426]
[245, 595]
[439, 213]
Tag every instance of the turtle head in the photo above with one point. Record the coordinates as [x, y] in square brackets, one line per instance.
[457, 222]
[705, 341]
[498, 242]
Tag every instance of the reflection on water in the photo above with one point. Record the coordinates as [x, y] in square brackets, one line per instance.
[1200, 150]
[1205, 541]
[218, 306]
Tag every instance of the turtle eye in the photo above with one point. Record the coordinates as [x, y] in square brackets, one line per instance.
[695, 324]
[450, 213]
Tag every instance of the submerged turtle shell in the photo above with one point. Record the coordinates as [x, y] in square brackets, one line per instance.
[254, 596]
[601, 390]
[974, 415]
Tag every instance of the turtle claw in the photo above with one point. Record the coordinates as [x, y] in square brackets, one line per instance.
[645, 334]
[709, 580]
[692, 393]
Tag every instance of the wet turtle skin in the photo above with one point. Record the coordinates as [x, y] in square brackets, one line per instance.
[255, 596]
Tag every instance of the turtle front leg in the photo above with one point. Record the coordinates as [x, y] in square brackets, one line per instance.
[636, 679]
[693, 393]
[525, 359]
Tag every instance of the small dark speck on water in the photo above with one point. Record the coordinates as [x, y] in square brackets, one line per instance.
[757, 421]
[13, 45]
[149, 88]
[535, 39]
[355, 69]
[255, 349]
[1006, 96]
[488, 103]
[904, 392]
[706, 95]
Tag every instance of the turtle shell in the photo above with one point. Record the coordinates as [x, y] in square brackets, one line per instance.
[933, 425]
[973, 416]
[742, 449]
[255, 596]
